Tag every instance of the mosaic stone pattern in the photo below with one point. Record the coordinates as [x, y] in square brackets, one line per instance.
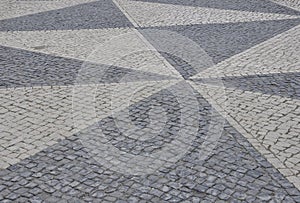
[149, 101]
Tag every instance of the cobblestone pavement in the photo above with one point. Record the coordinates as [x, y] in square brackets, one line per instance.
[149, 101]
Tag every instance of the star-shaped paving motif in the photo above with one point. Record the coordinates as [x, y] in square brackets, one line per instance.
[119, 74]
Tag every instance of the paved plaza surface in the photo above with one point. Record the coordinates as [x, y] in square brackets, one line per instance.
[149, 101]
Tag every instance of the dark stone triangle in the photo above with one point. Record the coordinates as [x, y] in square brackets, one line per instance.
[94, 15]
[263, 6]
[221, 41]
[25, 68]
[281, 84]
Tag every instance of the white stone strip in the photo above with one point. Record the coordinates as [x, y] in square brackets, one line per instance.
[147, 14]
[279, 54]
[270, 124]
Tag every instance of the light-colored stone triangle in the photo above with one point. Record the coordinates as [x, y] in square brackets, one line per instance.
[32, 119]
[123, 47]
[270, 122]
[15, 8]
[147, 14]
[78, 44]
[279, 54]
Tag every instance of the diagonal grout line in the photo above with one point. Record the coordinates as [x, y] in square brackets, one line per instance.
[135, 24]
[156, 52]
[146, 42]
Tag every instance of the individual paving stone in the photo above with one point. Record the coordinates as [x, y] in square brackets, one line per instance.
[80, 16]
[20, 70]
[222, 41]
[253, 6]
[94, 177]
